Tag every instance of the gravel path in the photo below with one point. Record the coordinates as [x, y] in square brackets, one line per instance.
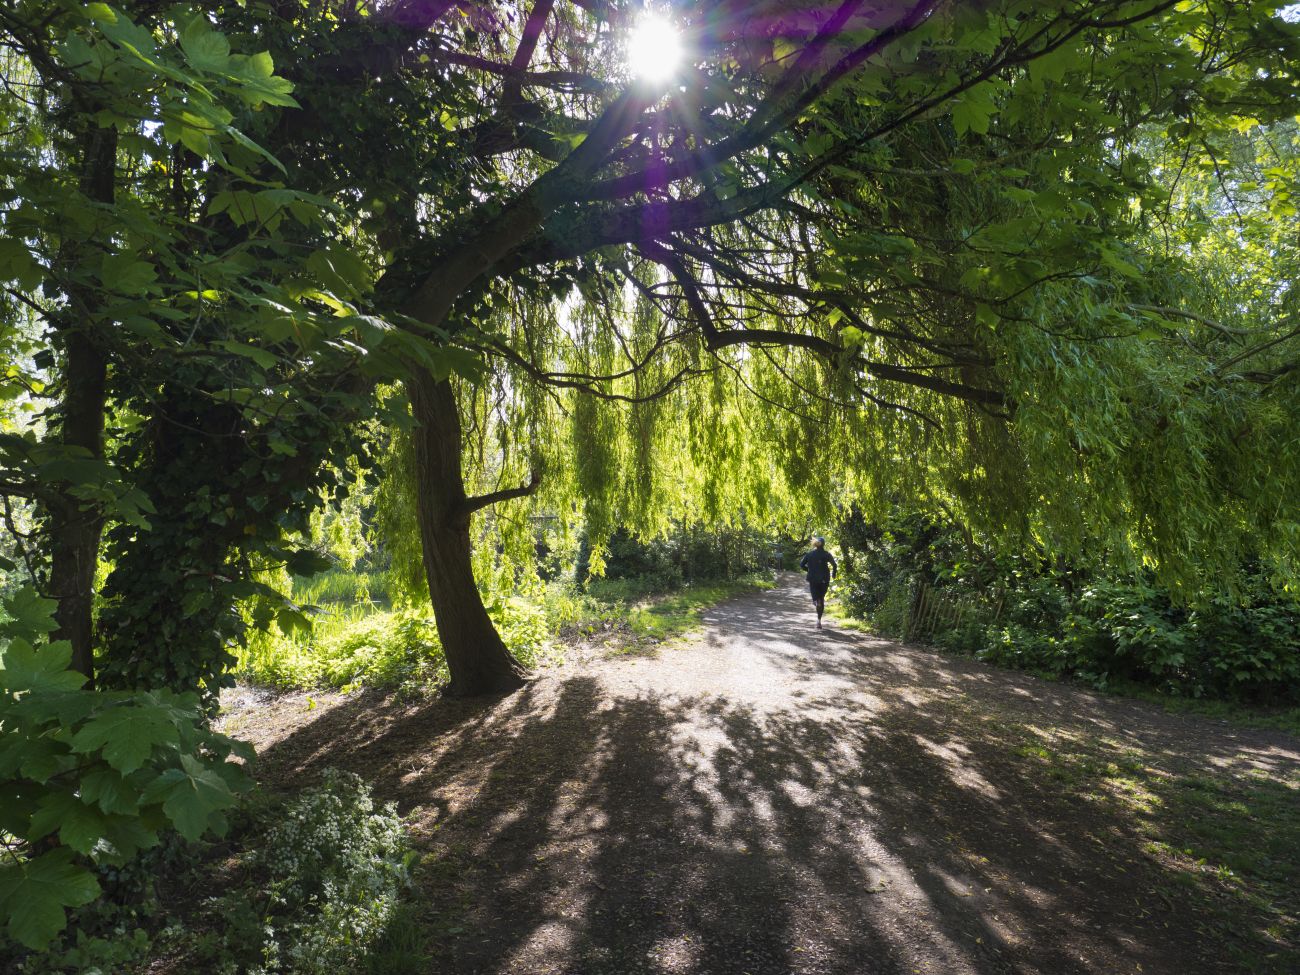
[766, 798]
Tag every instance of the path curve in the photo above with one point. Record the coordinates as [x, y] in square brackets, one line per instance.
[766, 798]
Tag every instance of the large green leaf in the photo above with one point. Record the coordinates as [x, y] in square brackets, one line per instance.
[127, 734]
[110, 791]
[79, 825]
[31, 613]
[204, 48]
[340, 271]
[191, 796]
[17, 264]
[38, 670]
[35, 893]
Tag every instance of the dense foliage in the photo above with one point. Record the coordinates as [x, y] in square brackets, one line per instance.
[320, 880]
[920, 577]
[89, 778]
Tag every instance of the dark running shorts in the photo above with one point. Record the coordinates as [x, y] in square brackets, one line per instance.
[818, 590]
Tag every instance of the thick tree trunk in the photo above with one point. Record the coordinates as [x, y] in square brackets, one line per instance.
[75, 526]
[476, 656]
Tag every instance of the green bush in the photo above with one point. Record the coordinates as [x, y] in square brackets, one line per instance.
[362, 645]
[88, 778]
[1070, 621]
[322, 879]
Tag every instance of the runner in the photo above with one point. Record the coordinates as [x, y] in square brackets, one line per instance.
[820, 566]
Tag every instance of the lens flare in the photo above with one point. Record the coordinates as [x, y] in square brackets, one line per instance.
[654, 50]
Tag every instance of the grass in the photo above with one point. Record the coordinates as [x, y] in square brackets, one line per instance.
[677, 613]
[1230, 837]
[1275, 718]
[403, 949]
[357, 639]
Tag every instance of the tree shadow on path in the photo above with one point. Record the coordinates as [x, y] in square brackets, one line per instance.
[772, 799]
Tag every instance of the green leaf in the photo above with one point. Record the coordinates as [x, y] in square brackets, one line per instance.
[38, 670]
[79, 825]
[254, 147]
[100, 13]
[127, 734]
[32, 613]
[17, 264]
[204, 47]
[191, 796]
[292, 621]
[67, 708]
[35, 893]
[340, 271]
[265, 359]
[971, 113]
[37, 759]
[126, 274]
[110, 791]
[124, 836]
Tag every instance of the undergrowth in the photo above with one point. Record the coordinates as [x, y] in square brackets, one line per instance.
[359, 639]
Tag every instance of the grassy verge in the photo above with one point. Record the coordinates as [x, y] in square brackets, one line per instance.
[1228, 836]
[675, 614]
[1250, 716]
[356, 641]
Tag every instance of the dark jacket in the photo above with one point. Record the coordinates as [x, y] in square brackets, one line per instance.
[819, 564]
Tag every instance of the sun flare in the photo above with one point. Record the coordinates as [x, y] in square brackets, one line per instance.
[654, 49]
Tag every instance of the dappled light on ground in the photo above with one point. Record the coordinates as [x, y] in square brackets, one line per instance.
[772, 799]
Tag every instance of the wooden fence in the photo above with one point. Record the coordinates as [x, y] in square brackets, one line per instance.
[933, 610]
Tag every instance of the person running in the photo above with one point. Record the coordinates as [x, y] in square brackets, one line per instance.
[820, 566]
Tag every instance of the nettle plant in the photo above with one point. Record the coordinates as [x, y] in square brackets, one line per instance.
[90, 778]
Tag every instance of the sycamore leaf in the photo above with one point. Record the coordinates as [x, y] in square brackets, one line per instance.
[79, 825]
[127, 734]
[341, 271]
[100, 13]
[17, 264]
[38, 670]
[125, 274]
[34, 894]
[265, 359]
[191, 797]
[124, 837]
[110, 791]
[31, 613]
[971, 113]
[205, 48]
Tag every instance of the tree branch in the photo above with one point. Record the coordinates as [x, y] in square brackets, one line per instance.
[471, 505]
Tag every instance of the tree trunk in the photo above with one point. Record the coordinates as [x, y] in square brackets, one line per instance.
[476, 656]
[75, 525]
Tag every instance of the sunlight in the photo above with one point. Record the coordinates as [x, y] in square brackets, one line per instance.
[654, 49]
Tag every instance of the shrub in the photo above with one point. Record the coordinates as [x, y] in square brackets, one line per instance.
[91, 778]
[324, 874]
[361, 645]
[1070, 621]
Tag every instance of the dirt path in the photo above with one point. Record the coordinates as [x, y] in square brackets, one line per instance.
[772, 799]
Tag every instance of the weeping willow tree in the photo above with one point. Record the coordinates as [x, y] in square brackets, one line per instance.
[930, 244]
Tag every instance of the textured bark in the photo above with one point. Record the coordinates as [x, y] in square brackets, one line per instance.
[477, 657]
[76, 527]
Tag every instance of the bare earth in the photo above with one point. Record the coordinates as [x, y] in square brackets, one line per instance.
[766, 798]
